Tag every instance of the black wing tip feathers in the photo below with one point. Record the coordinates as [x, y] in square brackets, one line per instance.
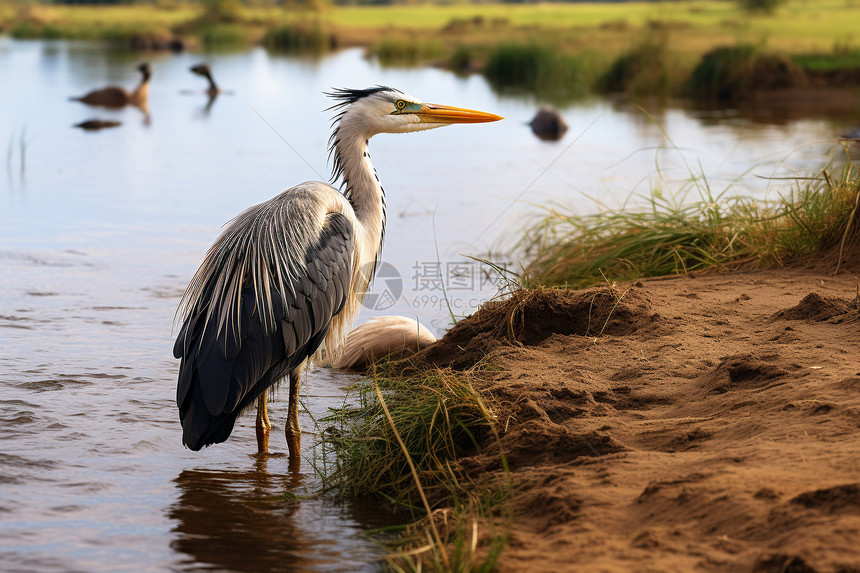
[215, 431]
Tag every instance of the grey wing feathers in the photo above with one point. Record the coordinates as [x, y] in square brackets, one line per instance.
[224, 370]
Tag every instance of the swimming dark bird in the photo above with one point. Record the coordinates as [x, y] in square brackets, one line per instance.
[203, 70]
[213, 90]
[284, 279]
[393, 336]
[116, 97]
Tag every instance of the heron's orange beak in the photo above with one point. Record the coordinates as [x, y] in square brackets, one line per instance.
[435, 113]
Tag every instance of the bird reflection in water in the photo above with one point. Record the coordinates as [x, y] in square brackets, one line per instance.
[241, 520]
[235, 520]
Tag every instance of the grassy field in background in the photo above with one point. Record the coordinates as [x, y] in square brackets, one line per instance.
[556, 51]
[796, 27]
[79, 18]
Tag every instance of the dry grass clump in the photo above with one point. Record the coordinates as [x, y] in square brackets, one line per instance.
[469, 543]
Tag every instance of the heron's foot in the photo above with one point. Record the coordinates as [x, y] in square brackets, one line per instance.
[294, 443]
[263, 439]
[263, 428]
[263, 425]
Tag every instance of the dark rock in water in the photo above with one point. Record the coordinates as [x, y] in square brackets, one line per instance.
[96, 124]
[548, 124]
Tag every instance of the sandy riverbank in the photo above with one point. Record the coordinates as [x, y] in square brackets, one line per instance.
[713, 425]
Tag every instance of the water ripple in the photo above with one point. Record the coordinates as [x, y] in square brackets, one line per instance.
[41, 260]
[51, 385]
[15, 469]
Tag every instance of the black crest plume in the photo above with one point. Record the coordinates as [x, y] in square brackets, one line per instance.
[346, 96]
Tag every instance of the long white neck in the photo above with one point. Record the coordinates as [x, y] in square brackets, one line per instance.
[361, 187]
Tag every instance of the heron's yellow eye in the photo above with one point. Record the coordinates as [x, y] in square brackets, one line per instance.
[400, 104]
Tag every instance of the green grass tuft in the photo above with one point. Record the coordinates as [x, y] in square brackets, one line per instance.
[462, 59]
[649, 67]
[837, 60]
[406, 51]
[220, 36]
[436, 416]
[669, 237]
[538, 68]
[28, 29]
[731, 73]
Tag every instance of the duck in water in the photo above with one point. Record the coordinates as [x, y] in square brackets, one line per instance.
[117, 97]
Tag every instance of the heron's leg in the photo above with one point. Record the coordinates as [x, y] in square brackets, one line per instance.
[263, 425]
[292, 430]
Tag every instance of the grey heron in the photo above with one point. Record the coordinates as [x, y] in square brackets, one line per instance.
[394, 336]
[116, 97]
[283, 281]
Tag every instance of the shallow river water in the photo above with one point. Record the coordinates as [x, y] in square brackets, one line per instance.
[100, 233]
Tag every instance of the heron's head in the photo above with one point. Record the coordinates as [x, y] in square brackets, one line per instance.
[387, 110]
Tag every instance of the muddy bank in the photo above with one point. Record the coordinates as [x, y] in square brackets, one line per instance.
[706, 423]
